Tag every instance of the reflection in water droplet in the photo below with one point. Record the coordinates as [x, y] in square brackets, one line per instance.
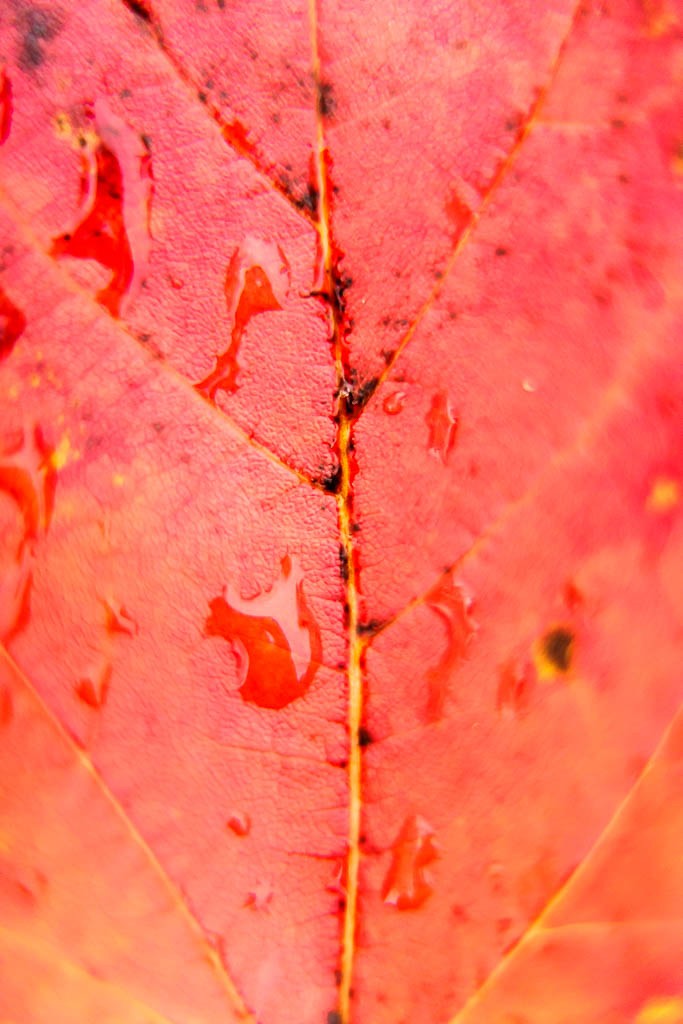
[5, 106]
[256, 281]
[239, 823]
[408, 884]
[393, 403]
[12, 324]
[274, 636]
[27, 482]
[92, 689]
[443, 427]
[114, 228]
[453, 607]
[515, 687]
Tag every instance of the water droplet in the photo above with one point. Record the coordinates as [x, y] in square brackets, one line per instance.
[274, 636]
[27, 482]
[453, 606]
[515, 687]
[256, 281]
[114, 227]
[5, 106]
[260, 896]
[458, 213]
[528, 385]
[12, 324]
[572, 596]
[239, 823]
[117, 619]
[393, 403]
[408, 884]
[443, 427]
[92, 689]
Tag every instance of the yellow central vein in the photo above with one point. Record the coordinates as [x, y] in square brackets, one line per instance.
[345, 504]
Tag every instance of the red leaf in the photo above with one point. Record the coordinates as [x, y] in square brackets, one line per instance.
[340, 512]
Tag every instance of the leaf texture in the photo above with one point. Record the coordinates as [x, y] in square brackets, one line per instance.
[340, 512]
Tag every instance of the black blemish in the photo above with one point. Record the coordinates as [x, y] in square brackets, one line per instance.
[344, 764]
[618, 123]
[501, 251]
[37, 27]
[332, 482]
[354, 396]
[355, 527]
[341, 904]
[388, 354]
[146, 142]
[364, 737]
[369, 628]
[340, 285]
[337, 977]
[202, 97]
[309, 199]
[558, 646]
[362, 840]
[334, 1017]
[325, 100]
[137, 7]
[343, 563]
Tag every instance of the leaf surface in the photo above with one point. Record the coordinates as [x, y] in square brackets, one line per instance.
[340, 512]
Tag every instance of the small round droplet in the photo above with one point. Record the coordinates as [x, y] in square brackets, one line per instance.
[393, 403]
[239, 823]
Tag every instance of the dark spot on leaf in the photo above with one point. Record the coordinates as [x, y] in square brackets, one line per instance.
[138, 8]
[337, 977]
[202, 97]
[618, 123]
[369, 628]
[325, 100]
[501, 251]
[334, 1017]
[37, 27]
[343, 563]
[364, 737]
[557, 646]
[146, 142]
[332, 481]
[309, 199]
[354, 396]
